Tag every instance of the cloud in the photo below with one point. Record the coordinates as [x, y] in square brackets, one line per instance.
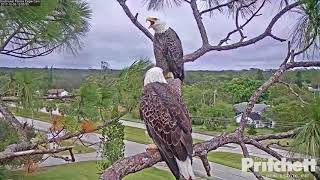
[115, 39]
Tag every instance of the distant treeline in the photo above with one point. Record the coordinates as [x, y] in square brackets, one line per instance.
[72, 78]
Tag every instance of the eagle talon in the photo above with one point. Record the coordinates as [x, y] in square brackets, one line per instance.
[151, 147]
[169, 75]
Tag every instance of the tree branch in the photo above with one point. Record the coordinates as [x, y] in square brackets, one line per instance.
[218, 7]
[246, 155]
[201, 27]
[6, 42]
[79, 133]
[9, 156]
[292, 91]
[268, 32]
[134, 19]
[14, 123]
[140, 161]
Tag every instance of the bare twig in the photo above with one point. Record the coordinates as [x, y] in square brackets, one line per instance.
[6, 42]
[292, 91]
[8, 156]
[218, 7]
[268, 32]
[77, 134]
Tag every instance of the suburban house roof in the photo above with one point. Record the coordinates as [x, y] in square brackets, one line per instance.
[55, 91]
[240, 108]
[254, 116]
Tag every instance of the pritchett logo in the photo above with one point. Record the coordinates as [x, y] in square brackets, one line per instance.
[273, 165]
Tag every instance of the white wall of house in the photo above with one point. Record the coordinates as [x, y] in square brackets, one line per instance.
[238, 119]
[256, 123]
[60, 94]
[54, 112]
[64, 93]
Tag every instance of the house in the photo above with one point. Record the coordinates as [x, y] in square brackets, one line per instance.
[255, 118]
[314, 89]
[57, 93]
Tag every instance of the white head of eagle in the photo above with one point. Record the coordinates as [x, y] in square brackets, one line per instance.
[153, 75]
[157, 25]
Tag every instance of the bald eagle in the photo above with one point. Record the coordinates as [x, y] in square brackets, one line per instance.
[168, 123]
[167, 49]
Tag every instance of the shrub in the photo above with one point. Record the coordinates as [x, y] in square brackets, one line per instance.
[197, 120]
[252, 130]
[7, 135]
[4, 173]
[214, 124]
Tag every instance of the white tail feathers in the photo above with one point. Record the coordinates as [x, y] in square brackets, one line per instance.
[185, 168]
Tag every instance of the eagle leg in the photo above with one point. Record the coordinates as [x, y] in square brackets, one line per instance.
[169, 75]
[151, 147]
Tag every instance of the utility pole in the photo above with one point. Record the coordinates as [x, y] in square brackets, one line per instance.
[214, 97]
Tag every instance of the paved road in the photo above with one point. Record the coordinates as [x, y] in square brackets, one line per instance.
[218, 171]
[234, 148]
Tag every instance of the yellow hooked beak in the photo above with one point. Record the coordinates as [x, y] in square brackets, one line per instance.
[152, 20]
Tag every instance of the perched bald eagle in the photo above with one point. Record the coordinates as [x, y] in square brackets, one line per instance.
[167, 49]
[168, 123]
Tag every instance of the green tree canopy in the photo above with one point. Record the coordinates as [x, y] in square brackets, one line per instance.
[28, 32]
[241, 89]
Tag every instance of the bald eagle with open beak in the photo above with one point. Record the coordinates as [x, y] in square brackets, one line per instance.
[167, 49]
[168, 123]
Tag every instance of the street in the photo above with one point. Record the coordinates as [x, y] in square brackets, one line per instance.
[218, 171]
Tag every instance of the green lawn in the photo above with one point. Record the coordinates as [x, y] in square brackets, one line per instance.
[131, 133]
[225, 158]
[140, 136]
[78, 148]
[86, 171]
[229, 129]
[26, 113]
[136, 135]
[234, 160]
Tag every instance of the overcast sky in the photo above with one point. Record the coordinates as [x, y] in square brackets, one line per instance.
[115, 39]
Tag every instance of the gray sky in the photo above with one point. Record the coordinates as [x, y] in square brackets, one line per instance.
[115, 39]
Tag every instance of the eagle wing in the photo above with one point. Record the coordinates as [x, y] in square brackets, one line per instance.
[159, 48]
[174, 54]
[168, 123]
[168, 52]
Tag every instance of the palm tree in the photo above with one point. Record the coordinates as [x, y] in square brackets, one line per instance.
[307, 141]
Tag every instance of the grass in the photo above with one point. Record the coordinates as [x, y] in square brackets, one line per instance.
[234, 160]
[140, 136]
[133, 134]
[27, 113]
[230, 128]
[196, 128]
[78, 148]
[137, 135]
[228, 159]
[85, 171]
